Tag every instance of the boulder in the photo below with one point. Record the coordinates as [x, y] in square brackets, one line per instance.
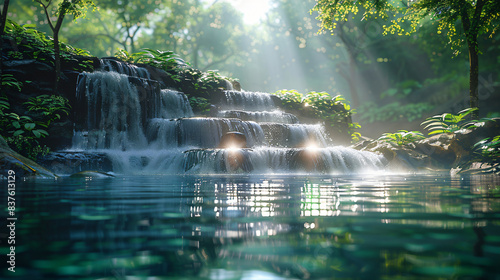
[23, 167]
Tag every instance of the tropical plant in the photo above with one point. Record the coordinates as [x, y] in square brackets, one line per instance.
[50, 108]
[166, 60]
[449, 123]
[402, 137]
[8, 80]
[487, 151]
[290, 98]
[34, 44]
[199, 104]
[335, 111]
[23, 132]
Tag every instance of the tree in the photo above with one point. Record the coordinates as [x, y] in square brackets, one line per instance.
[3, 16]
[132, 17]
[462, 20]
[77, 8]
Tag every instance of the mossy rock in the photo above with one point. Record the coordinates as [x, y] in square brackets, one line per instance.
[24, 167]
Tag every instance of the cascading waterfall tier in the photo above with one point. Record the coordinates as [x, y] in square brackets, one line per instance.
[275, 116]
[201, 132]
[142, 128]
[113, 65]
[295, 135]
[331, 160]
[112, 107]
[248, 101]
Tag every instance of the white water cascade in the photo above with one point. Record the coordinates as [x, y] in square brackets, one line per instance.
[142, 128]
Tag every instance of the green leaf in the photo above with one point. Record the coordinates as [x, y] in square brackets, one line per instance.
[29, 126]
[18, 132]
[16, 125]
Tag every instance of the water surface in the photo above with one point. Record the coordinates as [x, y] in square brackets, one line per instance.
[258, 227]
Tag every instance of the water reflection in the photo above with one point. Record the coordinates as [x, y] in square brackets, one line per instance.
[252, 228]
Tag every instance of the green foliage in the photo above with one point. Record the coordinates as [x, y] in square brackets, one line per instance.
[166, 60]
[27, 147]
[371, 112]
[33, 44]
[199, 104]
[488, 151]
[8, 80]
[290, 98]
[449, 123]
[23, 132]
[49, 108]
[402, 137]
[335, 111]
[405, 18]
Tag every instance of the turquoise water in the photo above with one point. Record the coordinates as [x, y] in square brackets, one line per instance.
[251, 227]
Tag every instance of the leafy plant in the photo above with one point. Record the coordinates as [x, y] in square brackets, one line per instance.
[166, 60]
[199, 104]
[50, 108]
[448, 123]
[21, 132]
[402, 137]
[27, 147]
[34, 44]
[8, 80]
[487, 151]
[335, 111]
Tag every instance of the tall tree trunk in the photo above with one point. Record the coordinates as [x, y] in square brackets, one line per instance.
[474, 78]
[471, 30]
[57, 56]
[3, 19]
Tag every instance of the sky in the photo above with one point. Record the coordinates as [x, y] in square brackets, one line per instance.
[253, 10]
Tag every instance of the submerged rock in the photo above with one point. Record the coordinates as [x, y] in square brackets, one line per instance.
[92, 174]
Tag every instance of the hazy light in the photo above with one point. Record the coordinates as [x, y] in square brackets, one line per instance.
[253, 11]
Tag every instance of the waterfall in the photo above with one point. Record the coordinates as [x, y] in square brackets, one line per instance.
[331, 160]
[200, 132]
[113, 65]
[255, 101]
[174, 104]
[295, 135]
[130, 121]
[113, 112]
[275, 116]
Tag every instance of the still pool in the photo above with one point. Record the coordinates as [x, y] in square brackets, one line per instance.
[256, 227]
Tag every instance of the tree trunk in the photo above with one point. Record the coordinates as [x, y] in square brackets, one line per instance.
[57, 57]
[474, 78]
[3, 18]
